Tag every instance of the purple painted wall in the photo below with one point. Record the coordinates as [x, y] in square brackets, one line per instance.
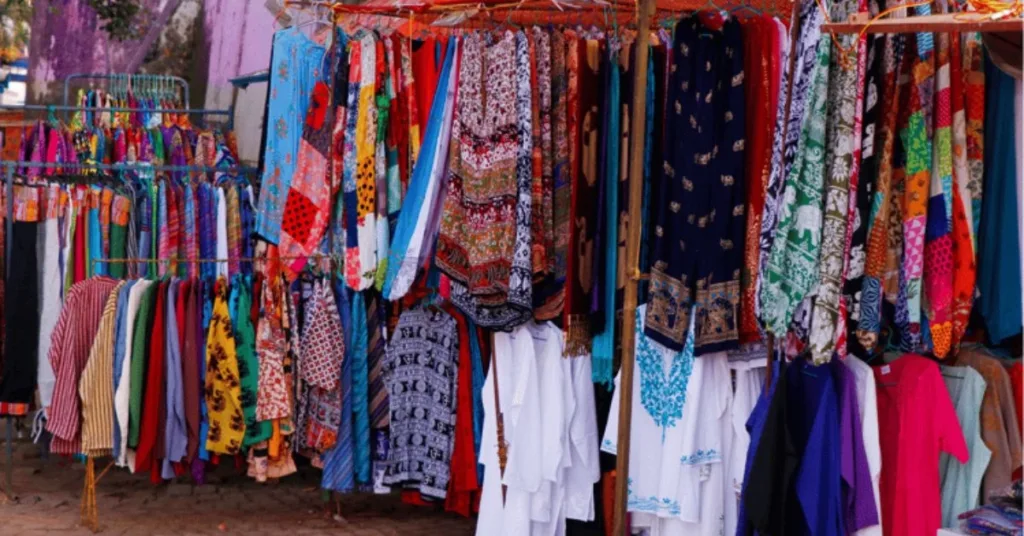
[66, 39]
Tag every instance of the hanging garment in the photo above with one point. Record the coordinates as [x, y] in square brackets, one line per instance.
[463, 485]
[174, 433]
[678, 427]
[791, 269]
[190, 365]
[913, 404]
[998, 420]
[746, 523]
[859, 507]
[762, 50]
[698, 249]
[223, 400]
[360, 379]
[585, 100]
[121, 350]
[867, 401]
[339, 462]
[789, 123]
[274, 398]
[497, 290]
[240, 305]
[999, 267]
[322, 352]
[421, 370]
[138, 304]
[151, 445]
[794, 486]
[425, 187]
[94, 387]
[18, 370]
[361, 261]
[478, 237]
[961, 483]
[69, 353]
[295, 65]
[842, 168]
[964, 259]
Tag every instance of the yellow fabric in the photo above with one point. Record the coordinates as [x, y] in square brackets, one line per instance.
[223, 391]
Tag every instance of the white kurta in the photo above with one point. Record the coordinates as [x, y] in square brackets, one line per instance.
[748, 384]
[676, 475]
[864, 378]
[547, 403]
[48, 251]
[122, 390]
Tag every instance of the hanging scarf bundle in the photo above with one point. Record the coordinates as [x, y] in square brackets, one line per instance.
[697, 262]
[484, 241]
[583, 61]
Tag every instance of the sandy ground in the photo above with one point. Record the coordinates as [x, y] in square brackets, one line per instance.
[48, 494]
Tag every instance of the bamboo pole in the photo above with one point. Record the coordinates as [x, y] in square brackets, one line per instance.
[638, 115]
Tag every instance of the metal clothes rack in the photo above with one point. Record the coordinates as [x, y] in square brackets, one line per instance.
[132, 80]
[10, 167]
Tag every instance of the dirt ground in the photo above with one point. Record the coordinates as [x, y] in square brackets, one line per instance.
[48, 494]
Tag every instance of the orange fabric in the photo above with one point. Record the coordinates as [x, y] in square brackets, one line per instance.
[463, 484]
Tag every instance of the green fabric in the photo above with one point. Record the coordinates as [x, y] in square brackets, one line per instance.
[118, 235]
[248, 366]
[69, 263]
[961, 483]
[139, 355]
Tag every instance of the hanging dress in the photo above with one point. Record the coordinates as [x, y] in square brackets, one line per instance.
[223, 392]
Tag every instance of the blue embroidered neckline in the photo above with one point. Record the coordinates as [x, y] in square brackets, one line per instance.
[662, 396]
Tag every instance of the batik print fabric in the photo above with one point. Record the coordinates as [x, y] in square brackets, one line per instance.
[892, 95]
[860, 203]
[420, 370]
[296, 64]
[791, 269]
[842, 167]
[698, 247]
[223, 392]
[484, 241]
[789, 122]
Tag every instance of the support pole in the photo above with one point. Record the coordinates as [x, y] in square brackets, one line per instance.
[9, 465]
[638, 130]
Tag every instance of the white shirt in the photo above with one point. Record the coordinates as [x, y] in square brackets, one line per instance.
[864, 378]
[748, 385]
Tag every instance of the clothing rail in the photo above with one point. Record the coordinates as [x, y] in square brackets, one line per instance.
[154, 260]
[71, 108]
[242, 170]
[129, 80]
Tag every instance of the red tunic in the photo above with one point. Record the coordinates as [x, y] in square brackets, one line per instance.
[152, 401]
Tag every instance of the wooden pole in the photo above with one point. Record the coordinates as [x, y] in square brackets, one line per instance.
[638, 130]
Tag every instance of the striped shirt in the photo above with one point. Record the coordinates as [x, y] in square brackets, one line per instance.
[69, 350]
[96, 387]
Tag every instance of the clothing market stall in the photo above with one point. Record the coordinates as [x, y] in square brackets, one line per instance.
[569, 267]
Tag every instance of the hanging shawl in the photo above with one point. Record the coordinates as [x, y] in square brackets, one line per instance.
[842, 169]
[541, 224]
[938, 263]
[891, 96]
[795, 91]
[585, 101]
[349, 196]
[360, 274]
[870, 70]
[498, 292]
[424, 187]
[309, 195]
[974, 69]
[963, 76]
[549, 295]
[791, 269]
[603, 349]
[698, 246]
[387, 158]
[761, 42]
[917, 140]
